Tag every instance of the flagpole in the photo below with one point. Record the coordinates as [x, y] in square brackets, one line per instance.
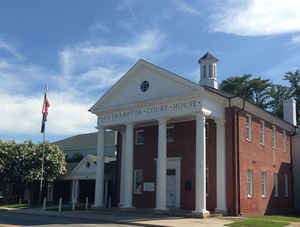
[43, 159]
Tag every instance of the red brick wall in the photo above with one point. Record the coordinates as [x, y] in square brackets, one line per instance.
[257, 157]
[184, 147]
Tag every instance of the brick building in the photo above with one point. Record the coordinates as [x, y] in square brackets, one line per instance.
[191, 146]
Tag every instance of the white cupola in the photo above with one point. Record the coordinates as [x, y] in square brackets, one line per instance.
[208, 70]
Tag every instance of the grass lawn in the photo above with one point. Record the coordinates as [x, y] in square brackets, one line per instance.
[265, 221]
[19, 206]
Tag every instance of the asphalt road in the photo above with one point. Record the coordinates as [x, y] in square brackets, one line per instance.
[8, 219]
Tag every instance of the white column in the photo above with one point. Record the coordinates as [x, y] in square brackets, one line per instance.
[128, 173]
[161, 171]
[221, 166]
[200, 165]
[100, 168]
[73, 191]
[76, 191]
[123, 159]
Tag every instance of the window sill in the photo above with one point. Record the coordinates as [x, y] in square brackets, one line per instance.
[250, 197]
[248, 140]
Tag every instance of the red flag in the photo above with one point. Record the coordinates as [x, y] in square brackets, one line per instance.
[46, 105]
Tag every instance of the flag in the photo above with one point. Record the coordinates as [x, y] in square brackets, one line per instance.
[46, 105]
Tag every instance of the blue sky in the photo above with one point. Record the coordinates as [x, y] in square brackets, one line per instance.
[80, 48]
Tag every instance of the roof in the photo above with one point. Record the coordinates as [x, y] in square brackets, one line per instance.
[82, 140]
[208, 56]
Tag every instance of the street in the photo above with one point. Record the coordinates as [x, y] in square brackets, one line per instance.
[17, 220]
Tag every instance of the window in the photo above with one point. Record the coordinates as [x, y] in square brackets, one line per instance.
[284, 140]
[250, 183]
[210, 70]
[262, 132]
[139, 137]
[286, 185]
[248, 127]
[206, 130]
[264, 184]
[206, 181]
[170, 134]
[204, 71]
[275, 184]
[274, 136]
[138, 181]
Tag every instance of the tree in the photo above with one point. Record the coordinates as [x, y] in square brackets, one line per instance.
[20, 163]
[255, 90]
[278, 93]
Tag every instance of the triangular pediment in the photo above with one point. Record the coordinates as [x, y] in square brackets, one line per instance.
[145, 82]
[86, 166]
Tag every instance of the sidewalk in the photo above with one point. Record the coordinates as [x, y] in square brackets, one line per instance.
[137, 219]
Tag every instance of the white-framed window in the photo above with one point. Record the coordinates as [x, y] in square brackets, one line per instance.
[262, 132]
[170, 134]
[274, 136]
[248, 127]
[139, 137]
[275, 185]
[284, 140]
[138, 181]
[264, 184]
[250, 183]
[286, 185]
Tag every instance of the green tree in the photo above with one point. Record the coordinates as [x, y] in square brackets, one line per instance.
[255, 90]
[278, 93]
[20, 163]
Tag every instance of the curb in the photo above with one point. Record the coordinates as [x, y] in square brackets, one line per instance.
[82, 218]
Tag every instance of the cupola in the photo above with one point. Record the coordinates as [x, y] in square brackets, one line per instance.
[208, 70]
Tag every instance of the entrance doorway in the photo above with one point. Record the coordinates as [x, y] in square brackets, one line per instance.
[173, 183]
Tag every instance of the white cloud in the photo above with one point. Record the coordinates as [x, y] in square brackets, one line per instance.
[22, 114]
[296, 39]
[86, 68]
[185, 7]
[256, 17]
[10, 49]
[99, 27]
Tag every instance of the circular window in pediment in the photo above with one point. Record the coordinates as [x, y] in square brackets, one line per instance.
[145, 86]
[88, 164]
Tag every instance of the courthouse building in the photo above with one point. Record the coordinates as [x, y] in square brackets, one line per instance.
[191, 146]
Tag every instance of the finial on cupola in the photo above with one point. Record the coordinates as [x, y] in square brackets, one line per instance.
[208, 70]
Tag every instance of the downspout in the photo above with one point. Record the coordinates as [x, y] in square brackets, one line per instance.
[292, 158]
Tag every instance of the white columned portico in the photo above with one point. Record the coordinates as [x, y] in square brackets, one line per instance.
[123, 160]
[161, 171]
[128, 172]
[100, 168]
[221, 166]
[200, 206]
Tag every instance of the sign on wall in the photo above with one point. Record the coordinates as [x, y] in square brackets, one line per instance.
[139, 113]
[149, 187]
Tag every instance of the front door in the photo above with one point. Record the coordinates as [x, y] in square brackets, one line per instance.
[171, 188]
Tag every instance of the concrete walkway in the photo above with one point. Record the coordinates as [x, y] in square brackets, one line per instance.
[133, 218]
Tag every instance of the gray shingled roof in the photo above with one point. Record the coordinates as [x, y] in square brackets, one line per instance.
[208, 56]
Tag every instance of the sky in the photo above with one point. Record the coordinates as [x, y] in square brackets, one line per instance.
[81, 48]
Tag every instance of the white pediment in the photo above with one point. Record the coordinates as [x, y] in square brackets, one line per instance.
[86, 168]
[162, 84]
